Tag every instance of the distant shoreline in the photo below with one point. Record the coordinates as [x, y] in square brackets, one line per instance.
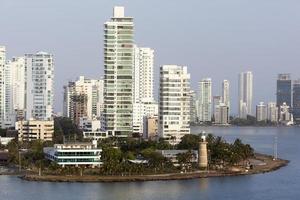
[269, 166]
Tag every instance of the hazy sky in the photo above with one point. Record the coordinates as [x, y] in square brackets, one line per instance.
[214, 38]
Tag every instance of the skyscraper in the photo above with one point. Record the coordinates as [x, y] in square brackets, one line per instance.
[272, 112]
[39, 86]
[144, 104]
[205, 100]
[118, 72]
[245, 94]
[296, 101]
[261, 112]
[221, 114]
[225, 94]
[284, 90]
[193, 110]
[2, 87]
[174, 102]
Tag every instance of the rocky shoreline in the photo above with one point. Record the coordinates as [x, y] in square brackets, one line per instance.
[268, 165]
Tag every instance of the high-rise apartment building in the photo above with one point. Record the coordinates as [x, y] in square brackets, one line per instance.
[143, 99]
[261, 112]
[226, 94]
[245, 94]
[2, 86]
[284, 90]
[221, 114]
[205, 100]
[174, 103]
[118, 74]
[193, 105]
[272, 112]
[296, 101]
[39, 86]
[217, 100]
[83, 98]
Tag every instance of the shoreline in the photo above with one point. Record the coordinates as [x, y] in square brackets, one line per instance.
[269, 166]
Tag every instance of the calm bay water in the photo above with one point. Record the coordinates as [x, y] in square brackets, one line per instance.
[281, 184]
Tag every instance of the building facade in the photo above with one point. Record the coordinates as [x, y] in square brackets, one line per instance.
[261, 112]
[174, 103]
[245, 94]
[205, 100]
[296, 101]
[118, 74]
[39, 86]
[221, 114]
[272, 112]
[226, 95]
[284, 90]
[35, 130]
[2, 86]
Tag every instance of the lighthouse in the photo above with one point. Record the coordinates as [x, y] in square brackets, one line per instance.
[202, 153]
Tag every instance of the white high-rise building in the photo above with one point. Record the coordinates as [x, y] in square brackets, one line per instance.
[205, 100]
[261, 112]
[39, 86]
[245, 94]
[118, 74]
[221, 114]
[272, 112]
[193, 106]
[2, 86]
[143, 87]
[226, 94]
[285, 116]
[174, 103]
[92, 89]
[14, 76]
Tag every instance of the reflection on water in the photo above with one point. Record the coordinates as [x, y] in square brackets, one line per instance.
[281, 184]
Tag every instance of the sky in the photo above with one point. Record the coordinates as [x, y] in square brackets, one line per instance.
[214, 38]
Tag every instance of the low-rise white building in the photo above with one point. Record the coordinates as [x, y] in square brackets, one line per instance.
[74, 154]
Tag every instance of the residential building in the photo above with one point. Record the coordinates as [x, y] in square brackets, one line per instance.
[245, 94]
[217, 100]
[205, 100]
[150, 127]
[39, 86]
[284, 90]
[2, 86]
[193, 105]
[285, 116]
[296, 101]
[83, 98]
[226, 95]
[35, 130]
[143, 101]
[272, 112]
[221, 114]
[75, 154]
[118, 74]
[174, 103]
[261, 112]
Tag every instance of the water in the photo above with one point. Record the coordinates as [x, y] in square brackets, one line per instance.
[281, 184]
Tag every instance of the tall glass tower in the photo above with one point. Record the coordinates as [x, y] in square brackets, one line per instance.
[284, 90]
[118, 72]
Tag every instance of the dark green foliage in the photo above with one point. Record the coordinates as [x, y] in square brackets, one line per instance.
[64, 127]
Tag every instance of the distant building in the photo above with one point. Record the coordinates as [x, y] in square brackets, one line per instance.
[221, 114]
[83, 98]
[172, 155]
[193, 105]
[285, 117]
[261, 112]
[245, 94]
[226, 94]
[205, 100]
[150, 127]
[272, 112]
[35, 130]
[39, 86]
[296, 101]
[74, 154]
[284, 90]
[2, 86]
[217, 100]
[174, 103]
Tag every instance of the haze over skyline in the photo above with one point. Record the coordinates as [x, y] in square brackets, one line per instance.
[214, 39]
